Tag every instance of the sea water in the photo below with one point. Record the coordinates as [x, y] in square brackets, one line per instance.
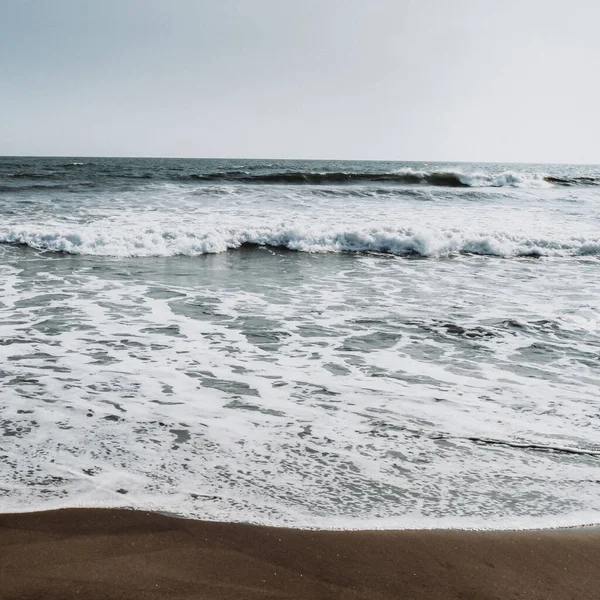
[302, 343]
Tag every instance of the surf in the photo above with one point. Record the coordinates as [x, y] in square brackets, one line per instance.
[425, 242]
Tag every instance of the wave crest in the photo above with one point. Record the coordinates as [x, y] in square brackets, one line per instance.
[147, 242]
[407, 176]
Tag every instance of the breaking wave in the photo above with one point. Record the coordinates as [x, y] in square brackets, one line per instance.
[402, 177]
[147, 242]
[406, 176]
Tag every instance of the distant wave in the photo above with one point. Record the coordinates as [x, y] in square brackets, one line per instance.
[36, 175]
[146, 242]
[32, 186]
[402, 177]
[406, 176]
[48, 186]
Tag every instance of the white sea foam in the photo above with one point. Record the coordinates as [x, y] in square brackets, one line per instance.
[367, 393]
[320, 388]
[145, 242]
[477, 178]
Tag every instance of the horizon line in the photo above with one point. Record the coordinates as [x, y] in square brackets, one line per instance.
[480, 162]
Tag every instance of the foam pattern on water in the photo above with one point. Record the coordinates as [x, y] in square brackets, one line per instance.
[369, 392]
[144, 364]
[173, 220]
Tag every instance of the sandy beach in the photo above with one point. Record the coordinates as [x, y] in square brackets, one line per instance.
[307, 293]
[99, 553]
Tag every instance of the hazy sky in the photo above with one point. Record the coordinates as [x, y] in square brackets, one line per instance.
[471, 80]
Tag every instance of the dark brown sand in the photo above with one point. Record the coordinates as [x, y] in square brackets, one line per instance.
[106, 554]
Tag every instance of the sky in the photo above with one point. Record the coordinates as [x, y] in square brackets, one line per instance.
[445, 80]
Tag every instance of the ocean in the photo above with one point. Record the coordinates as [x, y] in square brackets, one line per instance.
[302, 343]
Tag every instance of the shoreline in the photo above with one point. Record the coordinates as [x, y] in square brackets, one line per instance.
[122, 553]
[370, 525]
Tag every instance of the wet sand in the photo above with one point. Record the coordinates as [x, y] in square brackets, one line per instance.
[109, 554]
